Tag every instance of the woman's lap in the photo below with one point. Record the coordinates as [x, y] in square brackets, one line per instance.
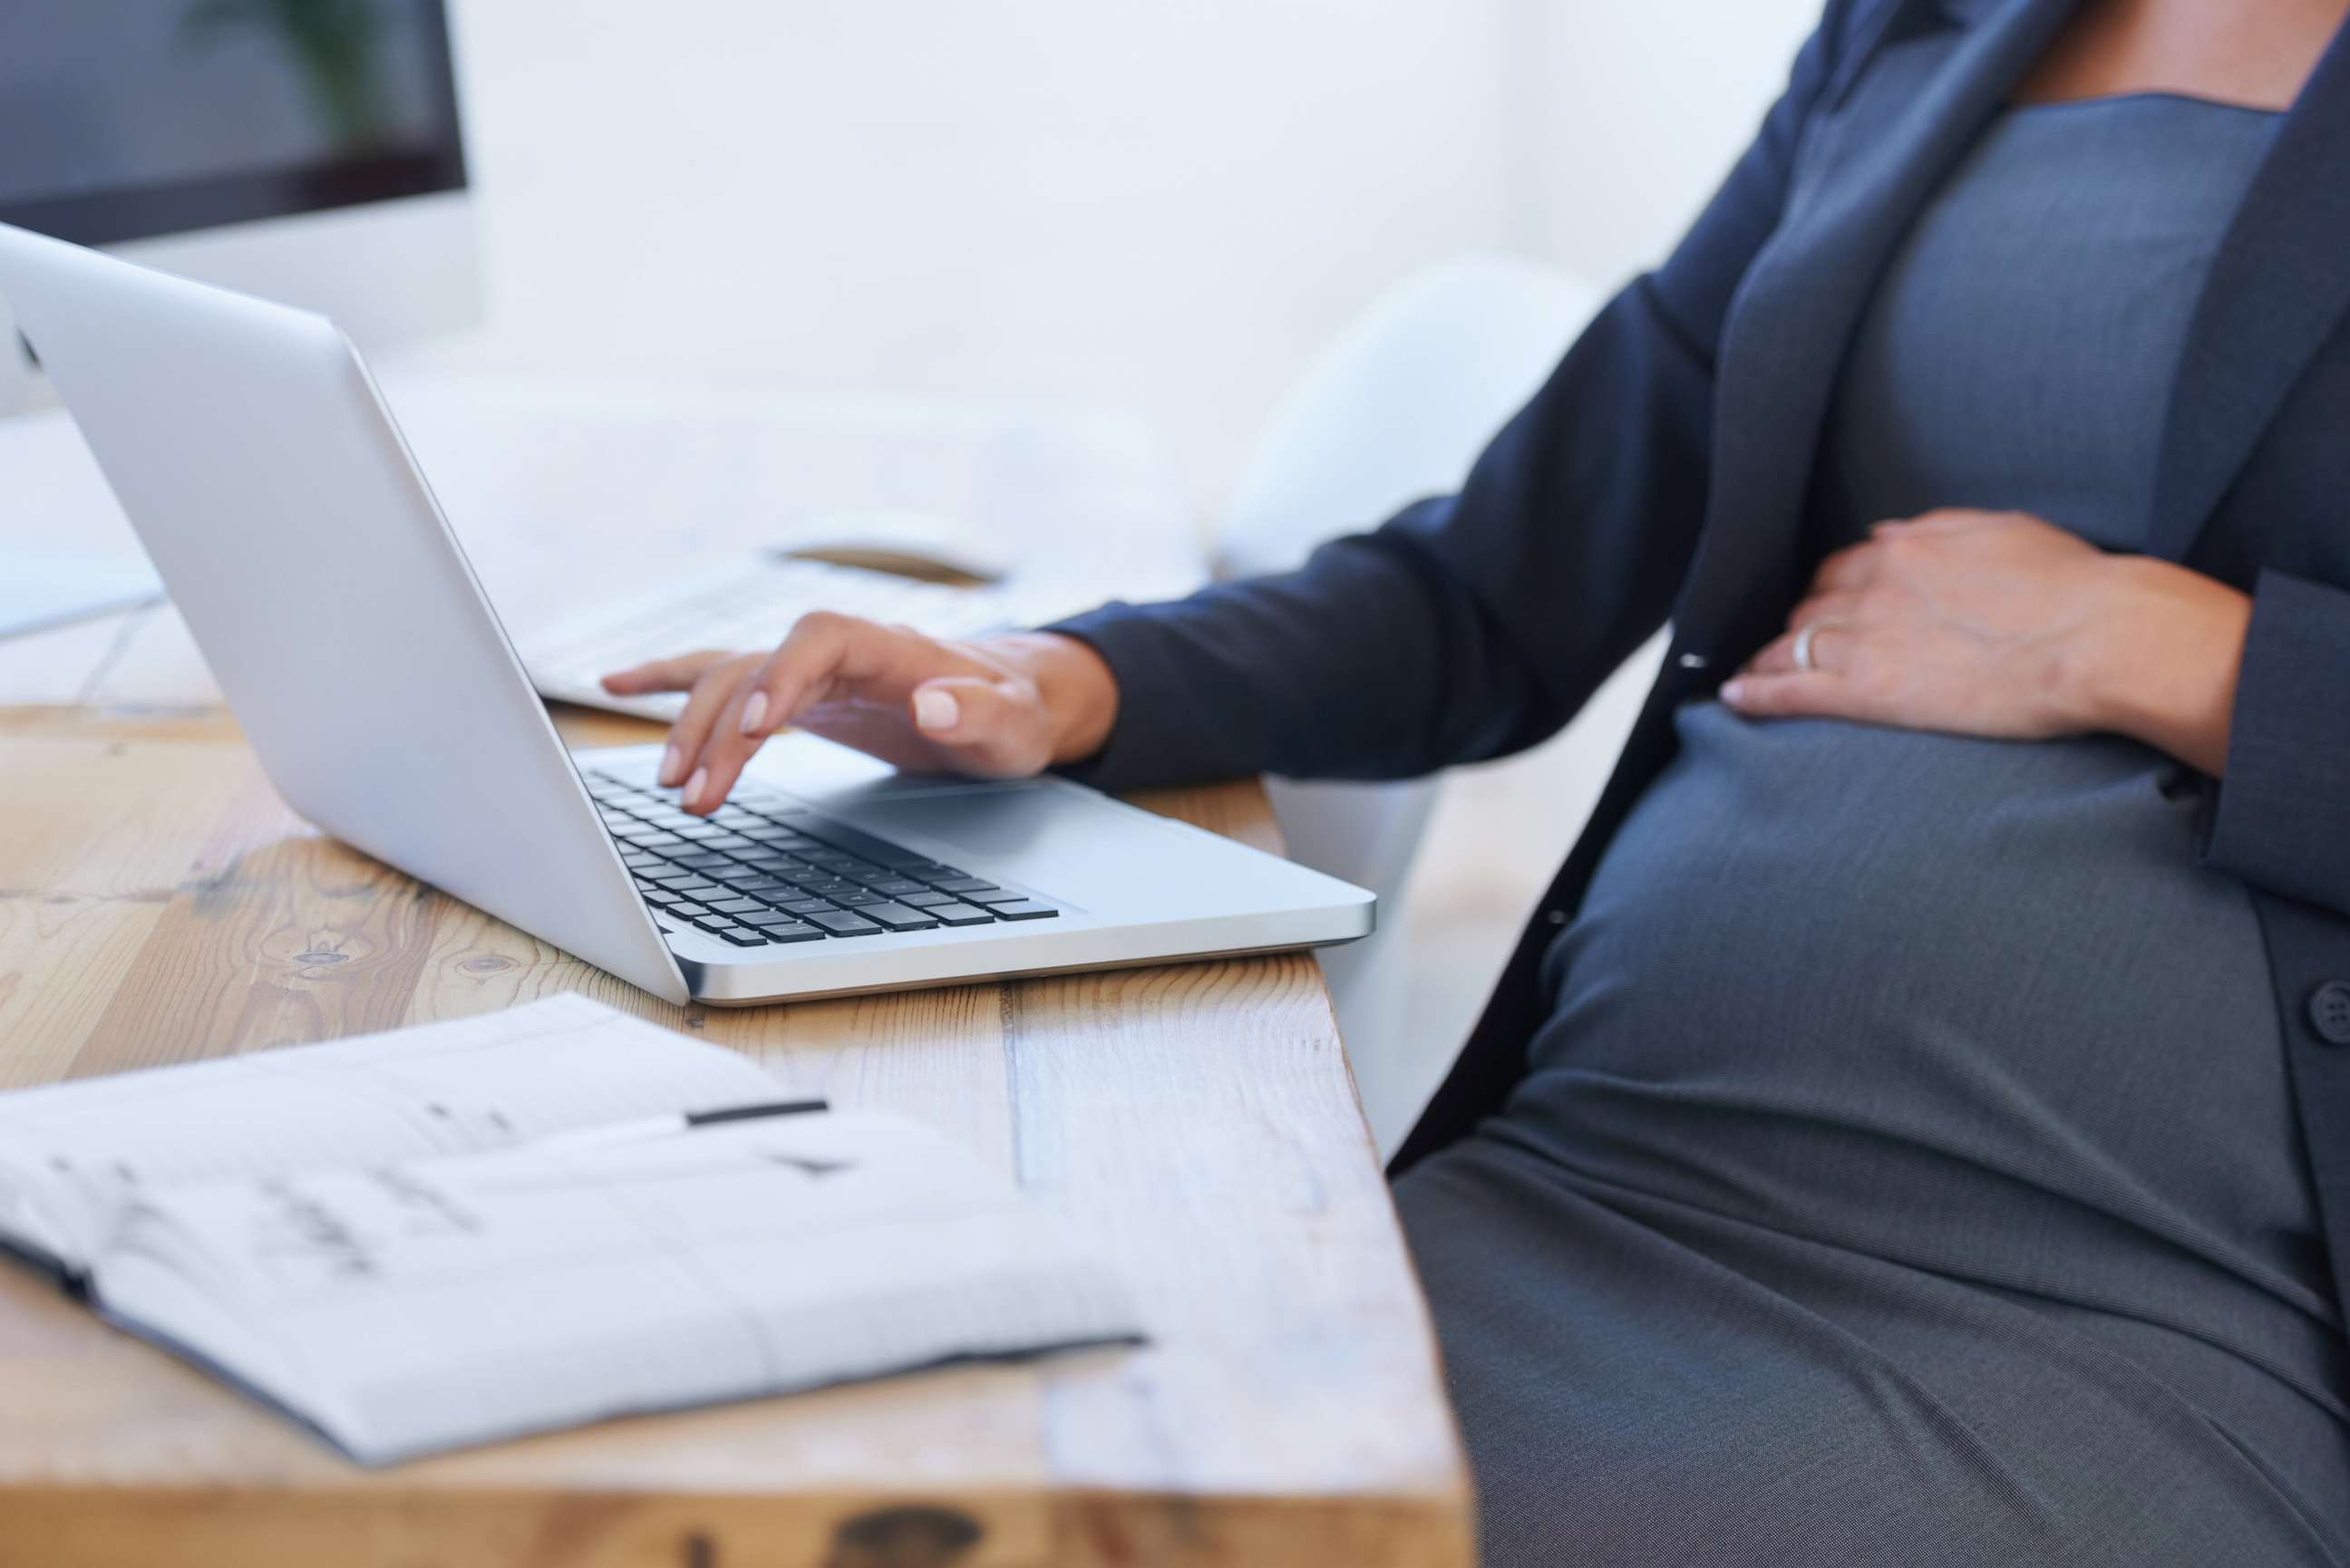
[1631, 1392]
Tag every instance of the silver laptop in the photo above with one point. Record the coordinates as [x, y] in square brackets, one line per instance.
[289, 520]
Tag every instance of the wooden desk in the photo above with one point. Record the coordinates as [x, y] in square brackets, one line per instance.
[158, 903]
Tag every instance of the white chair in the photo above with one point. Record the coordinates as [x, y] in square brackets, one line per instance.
[1394, 409]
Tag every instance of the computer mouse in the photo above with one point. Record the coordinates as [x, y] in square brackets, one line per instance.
[926, 546]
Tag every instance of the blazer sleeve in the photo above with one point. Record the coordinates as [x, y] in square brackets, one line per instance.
[1475, 624]
[2283, 820]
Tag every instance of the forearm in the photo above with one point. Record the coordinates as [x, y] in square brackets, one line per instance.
[2165, 660]
[1359, 664]
[2249, 688]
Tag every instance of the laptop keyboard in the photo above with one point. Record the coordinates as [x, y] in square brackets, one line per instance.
[764, 871]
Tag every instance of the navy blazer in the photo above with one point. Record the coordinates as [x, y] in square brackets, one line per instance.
[1665, 472]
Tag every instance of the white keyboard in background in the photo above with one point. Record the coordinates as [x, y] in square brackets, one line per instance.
[751, 605]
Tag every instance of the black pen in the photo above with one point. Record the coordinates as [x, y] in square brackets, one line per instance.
[671, 1123]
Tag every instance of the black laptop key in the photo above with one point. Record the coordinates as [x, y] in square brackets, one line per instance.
[960, 915]
[842, 923]
[731, 844]
[705, 892]
[963, 885]
[784, 928]
[745, 937]
[994, 896]
[857, 898]
[927, 900]
[1024, 909]
[898, 918]
[713, 921]
[739, 906]
[842, 836]
[805, 906]
[759, 884]
[671, 878]
[687, 909]
[896, 887]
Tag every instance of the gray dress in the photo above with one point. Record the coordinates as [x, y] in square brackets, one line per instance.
[1908, 1171]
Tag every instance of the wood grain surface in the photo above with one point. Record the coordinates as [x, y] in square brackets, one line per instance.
[158, 903]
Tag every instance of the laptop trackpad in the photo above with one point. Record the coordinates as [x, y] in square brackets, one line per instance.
[984, 821]
[1056, 841]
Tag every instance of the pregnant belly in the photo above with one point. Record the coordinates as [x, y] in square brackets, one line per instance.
[1823, 961]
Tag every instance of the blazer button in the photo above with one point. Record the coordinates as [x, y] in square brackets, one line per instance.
[2329, 1013]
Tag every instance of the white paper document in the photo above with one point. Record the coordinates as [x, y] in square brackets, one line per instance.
[469, 1232]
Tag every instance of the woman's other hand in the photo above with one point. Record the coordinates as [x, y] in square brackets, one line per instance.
[1999, 624]
[1004, 707]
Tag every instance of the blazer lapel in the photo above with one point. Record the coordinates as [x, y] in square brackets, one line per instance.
[2279, 286]
[1884, 150]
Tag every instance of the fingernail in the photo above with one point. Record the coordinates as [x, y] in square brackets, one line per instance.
[693, 786]
[671, 763]
[754, 713]
[936, 709]
[1734, 692]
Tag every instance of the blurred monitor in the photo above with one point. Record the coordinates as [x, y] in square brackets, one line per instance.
[305, 150]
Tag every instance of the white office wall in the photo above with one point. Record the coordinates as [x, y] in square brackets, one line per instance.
[1630, 111]
[1162, 204]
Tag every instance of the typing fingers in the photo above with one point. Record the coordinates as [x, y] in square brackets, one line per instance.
[689, 737]
[823, 656]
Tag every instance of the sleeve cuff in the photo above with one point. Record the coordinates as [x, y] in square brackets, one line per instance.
[2283, 820]
[1136, 755]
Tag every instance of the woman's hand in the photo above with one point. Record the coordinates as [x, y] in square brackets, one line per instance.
[1998, 624]
[1004, 707]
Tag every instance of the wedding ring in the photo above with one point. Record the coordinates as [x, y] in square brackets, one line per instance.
[1803, 649]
